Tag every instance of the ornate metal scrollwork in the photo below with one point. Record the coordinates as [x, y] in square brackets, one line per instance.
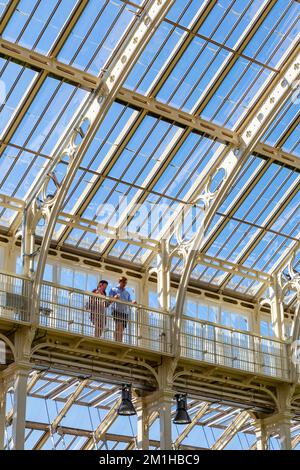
[289, 282]
[44, 197]
[200, 202]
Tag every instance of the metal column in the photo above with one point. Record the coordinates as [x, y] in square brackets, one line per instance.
[19, 408]
[261, 435]
[165, 419]
[277, 313]
[2, 414]
[142, 427]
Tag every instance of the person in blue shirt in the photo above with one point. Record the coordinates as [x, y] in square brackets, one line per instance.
[120, 312]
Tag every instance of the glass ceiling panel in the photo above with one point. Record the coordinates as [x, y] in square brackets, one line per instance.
[144, 150]
[185, 12]
[37, 24]
[204, 274]
[83, 239]
[183, 171]
[232, 241]
[185, 87]
[6, 217]
[168, 37]
[267, 195]
[15, 81]
[292, 143]
[250, 169]
[278, 128]
[176, 266]
[289, 220]
[69, 433]
[97, 33]
[276, 33]
[188, 163]
[3, 5]
[255, 208]
[142, 153]
[100, 152]
[264, 198]
[267, 252]
[228, 20]
[155, 57]
[235, 94]
[129, 252]
[18, 170]
[192, 74]
[47, 119]
[109, 135]
[242, 285]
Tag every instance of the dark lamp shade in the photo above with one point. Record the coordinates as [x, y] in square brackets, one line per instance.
[126, 407]
[182, 416]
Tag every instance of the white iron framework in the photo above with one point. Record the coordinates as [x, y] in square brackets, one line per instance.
[185, 110]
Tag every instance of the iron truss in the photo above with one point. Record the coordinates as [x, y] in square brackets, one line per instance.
[57, 397]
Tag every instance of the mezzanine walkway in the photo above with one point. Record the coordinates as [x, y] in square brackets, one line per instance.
[65, 310]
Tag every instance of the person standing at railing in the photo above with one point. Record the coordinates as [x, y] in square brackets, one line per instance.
[97, 307]
[120, 312]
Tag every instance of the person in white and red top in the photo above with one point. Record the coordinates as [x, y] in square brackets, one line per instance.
[97, 307]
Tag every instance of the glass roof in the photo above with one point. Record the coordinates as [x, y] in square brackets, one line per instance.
[207, 62]
[213, 60]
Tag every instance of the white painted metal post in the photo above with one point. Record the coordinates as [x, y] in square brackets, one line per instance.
[277, 312]
[143, 315]
[261, 435]
[2, 414]
[164, 291]
[19, 408]
[163, 277]
[280, 424]
[284, 430]
[142, 426]
[165, 419]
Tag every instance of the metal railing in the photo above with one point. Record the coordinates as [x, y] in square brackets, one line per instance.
[86, 314]
[238, 349]
[14, 297]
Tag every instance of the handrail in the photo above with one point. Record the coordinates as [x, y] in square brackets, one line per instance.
[108, 298]
[234, 330]
[146, 307]
[68, 309]
[16, 275]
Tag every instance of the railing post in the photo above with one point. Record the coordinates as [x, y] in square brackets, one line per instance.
[260, 355]
[277, 312]
[163, 277]
[143, 320]
[163, 284]
[215, 345]
[2, 413]
[144, 327]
